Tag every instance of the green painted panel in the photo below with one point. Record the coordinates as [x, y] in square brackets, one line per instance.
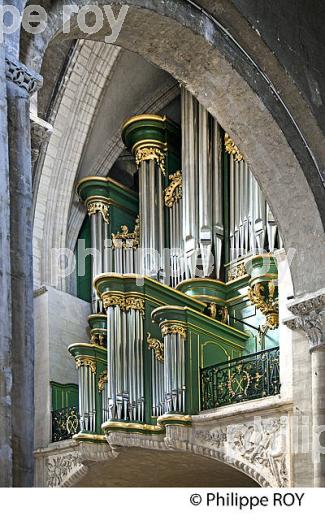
[84, 279]
[64, 395]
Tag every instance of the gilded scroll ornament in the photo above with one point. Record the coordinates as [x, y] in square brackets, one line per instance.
[103, 379]
[151, 153]
[174, 192]
[135, 303]
[157, 346]
[124, 302]
[237, 271]
[112, 300]
[232, 148]
[96, 206]
[263, 296]
[86, 362]
[173, 329]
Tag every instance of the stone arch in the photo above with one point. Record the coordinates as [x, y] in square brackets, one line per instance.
[58, 215]
[278, 152]
[102, 469]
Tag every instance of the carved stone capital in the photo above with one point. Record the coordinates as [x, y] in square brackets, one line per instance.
[23, 77]
[41, 132]
[310, 317]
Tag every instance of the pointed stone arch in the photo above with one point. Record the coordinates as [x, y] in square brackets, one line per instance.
[196, 49]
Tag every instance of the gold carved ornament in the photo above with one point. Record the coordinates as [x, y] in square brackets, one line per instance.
[112, 300]
[86, 362]
[268, 305]
[236, 272]
[98, 339]
[99, 206]
[126, 239]
[215, 313]
[213, 310]
[157, 346]
[174, 192]
[232, 148]
[173, 329]
[125, 303]
[151, 153]
[103, 379]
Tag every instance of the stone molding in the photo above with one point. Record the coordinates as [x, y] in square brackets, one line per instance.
[22, 76]
[309, 316]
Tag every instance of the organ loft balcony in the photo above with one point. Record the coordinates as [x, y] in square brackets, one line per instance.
[183, 284]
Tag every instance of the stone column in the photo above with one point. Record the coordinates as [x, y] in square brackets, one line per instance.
[21, 83]
[5, 291]
[310, 317]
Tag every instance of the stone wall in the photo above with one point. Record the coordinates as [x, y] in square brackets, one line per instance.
[60, 320]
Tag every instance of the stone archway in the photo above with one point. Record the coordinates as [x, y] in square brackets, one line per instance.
[292, 190]
[149, 468]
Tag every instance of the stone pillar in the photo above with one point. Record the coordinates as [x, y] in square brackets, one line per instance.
[310, 317]
[5, 291]
[21, 83]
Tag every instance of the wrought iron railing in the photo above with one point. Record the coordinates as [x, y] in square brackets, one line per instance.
[65, 423]
[241, 379]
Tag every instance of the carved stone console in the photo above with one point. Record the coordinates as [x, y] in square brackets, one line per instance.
[309, 317]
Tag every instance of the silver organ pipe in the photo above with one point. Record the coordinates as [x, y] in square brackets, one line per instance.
[152, 237]
[125, 362]
[190, 181]
[202, 187]
[205, 190]
[252, 225]
[99, 236]
[87, 400]
[217, 199]
[173, 196]
[105, 412]
[174, 369]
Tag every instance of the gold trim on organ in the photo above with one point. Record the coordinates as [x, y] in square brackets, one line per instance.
[95, 206]
[125, 302]
[86, 362]
[157, 346]
[103, 379]
[126, 239]
[150, 153]
[174, 192]
[173, 329]
[232, 148]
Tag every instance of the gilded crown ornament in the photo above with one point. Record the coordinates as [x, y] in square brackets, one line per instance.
[99, 206]
[151, 153]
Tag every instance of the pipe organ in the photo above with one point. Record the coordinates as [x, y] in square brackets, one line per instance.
[179, 278]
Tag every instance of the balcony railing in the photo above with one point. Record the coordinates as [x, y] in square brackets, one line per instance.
[242, 379]
[65, 423]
